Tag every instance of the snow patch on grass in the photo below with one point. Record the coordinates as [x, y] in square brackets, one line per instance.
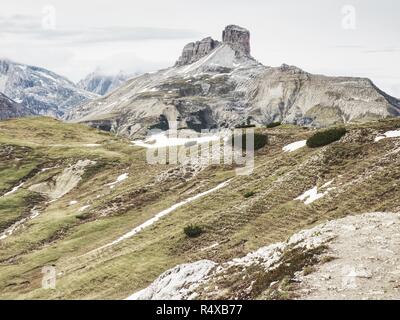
[84, 208]
[388, 134]
[17, 225]
[162, 140]
[92, 145]
[295, 146]
[15, 189]
[313, 194]
[120, 179]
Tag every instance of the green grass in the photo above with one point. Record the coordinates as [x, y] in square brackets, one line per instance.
[366, 176]
[15, 206]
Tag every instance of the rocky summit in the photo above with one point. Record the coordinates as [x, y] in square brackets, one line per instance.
[194, 51]
[238, 38]
[219, 84]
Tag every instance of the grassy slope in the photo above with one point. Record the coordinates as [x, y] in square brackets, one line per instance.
[366, 179]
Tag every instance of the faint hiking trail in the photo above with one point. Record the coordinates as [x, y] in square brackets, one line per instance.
[160, 215]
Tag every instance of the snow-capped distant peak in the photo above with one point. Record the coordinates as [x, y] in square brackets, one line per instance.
[102, 83]
[39, 90]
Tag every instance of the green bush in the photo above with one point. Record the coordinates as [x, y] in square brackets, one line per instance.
[260, 140]
[249, 194]
[273, 124]
[326, 137]
[244, 126]
[193, 231]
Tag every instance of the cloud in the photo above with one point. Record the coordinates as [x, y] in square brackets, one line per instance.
[31, 27]
[386, 50]
[350, 46]
[19, 24]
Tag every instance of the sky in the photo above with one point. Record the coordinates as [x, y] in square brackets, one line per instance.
[75, 37]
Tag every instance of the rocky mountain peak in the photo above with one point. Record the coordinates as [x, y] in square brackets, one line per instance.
[238, 38]
[194, 51]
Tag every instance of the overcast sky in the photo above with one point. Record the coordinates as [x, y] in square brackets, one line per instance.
[334, 37]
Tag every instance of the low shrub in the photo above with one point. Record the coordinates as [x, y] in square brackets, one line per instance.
[325, 137]
[244, 126]
[260, 140]
[249, 194]
[193, 231]
[273, 124]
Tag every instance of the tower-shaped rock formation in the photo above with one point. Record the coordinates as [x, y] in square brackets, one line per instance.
[238, 38]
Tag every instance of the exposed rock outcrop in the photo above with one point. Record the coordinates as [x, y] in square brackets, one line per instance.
[238, 38]
[194, 51]
[178, 283]
[10, 109]
[63, 183]
[350, 258]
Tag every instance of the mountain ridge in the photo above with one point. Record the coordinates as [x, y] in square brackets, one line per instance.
[219, 84]
[41, 91]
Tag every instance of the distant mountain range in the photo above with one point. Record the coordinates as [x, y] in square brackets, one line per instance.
[214, 84]
[219, 84]
[39, 90]
[102, 84]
